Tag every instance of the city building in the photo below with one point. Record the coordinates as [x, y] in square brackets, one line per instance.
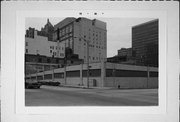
[47, 31]
[84, 37]
[30, 32]
[145, 43]
[41, 54]
[101, 74]
[125, 52]
[117, 59]
[35, 44]
[124, 56]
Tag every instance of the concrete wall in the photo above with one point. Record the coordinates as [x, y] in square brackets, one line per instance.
[127, 80]
[91, 81]
[74, 81]
[131, 82]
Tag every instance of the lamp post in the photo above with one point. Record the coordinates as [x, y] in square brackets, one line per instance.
[87, 59]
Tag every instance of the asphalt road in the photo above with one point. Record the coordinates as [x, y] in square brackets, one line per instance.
[61, 96]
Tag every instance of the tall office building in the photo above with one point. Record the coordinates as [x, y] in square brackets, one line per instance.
[145, 43]
[74, 33]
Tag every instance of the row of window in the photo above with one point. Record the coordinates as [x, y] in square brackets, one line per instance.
[65, 30]
[97, 73]
[129, 73]
[94, 58]
[55, 47]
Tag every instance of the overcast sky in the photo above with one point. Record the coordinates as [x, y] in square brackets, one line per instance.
[118, 30]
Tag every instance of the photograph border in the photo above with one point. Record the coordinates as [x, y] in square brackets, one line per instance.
[13, 31]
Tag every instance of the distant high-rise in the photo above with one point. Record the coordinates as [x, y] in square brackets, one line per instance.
[145, 43]
[75, 32]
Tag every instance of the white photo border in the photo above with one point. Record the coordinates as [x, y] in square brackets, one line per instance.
[13, 107]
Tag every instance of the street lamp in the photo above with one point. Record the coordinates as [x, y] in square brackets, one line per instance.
[87, 59]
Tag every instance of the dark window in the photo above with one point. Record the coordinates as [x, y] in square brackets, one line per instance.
[57, 61]
[40, 77]
[130, 73]
[58, 75]
[109, 72]
[39, 60]
[73, 73]
[33, 78]
[26, 50]
[48, 76]
[125, 73]
[48, 60]
[153, 74]
[92, 73]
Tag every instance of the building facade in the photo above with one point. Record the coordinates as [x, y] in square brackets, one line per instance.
[39, 45]
[47, 31]
[81, 34]
[145, 43]
[125, 52]
[102, 74]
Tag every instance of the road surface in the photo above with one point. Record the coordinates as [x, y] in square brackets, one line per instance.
[63, 96]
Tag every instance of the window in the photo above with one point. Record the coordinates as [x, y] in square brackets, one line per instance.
[70, 27]
[75, 73]
[26, 43]
[26, 50]
[39, 60]
[50, 51]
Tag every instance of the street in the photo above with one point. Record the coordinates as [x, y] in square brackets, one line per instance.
[65, 96]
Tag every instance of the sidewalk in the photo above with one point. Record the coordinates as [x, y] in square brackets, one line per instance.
[85, 87]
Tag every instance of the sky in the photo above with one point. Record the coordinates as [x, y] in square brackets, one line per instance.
[118, 30]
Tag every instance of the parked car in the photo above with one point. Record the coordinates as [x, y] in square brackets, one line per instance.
[43, 82]
[51, 83]
[32, 84]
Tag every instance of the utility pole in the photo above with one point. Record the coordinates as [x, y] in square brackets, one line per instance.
[147, 75]
[37, 53]
[65, 63]
[87, 64]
